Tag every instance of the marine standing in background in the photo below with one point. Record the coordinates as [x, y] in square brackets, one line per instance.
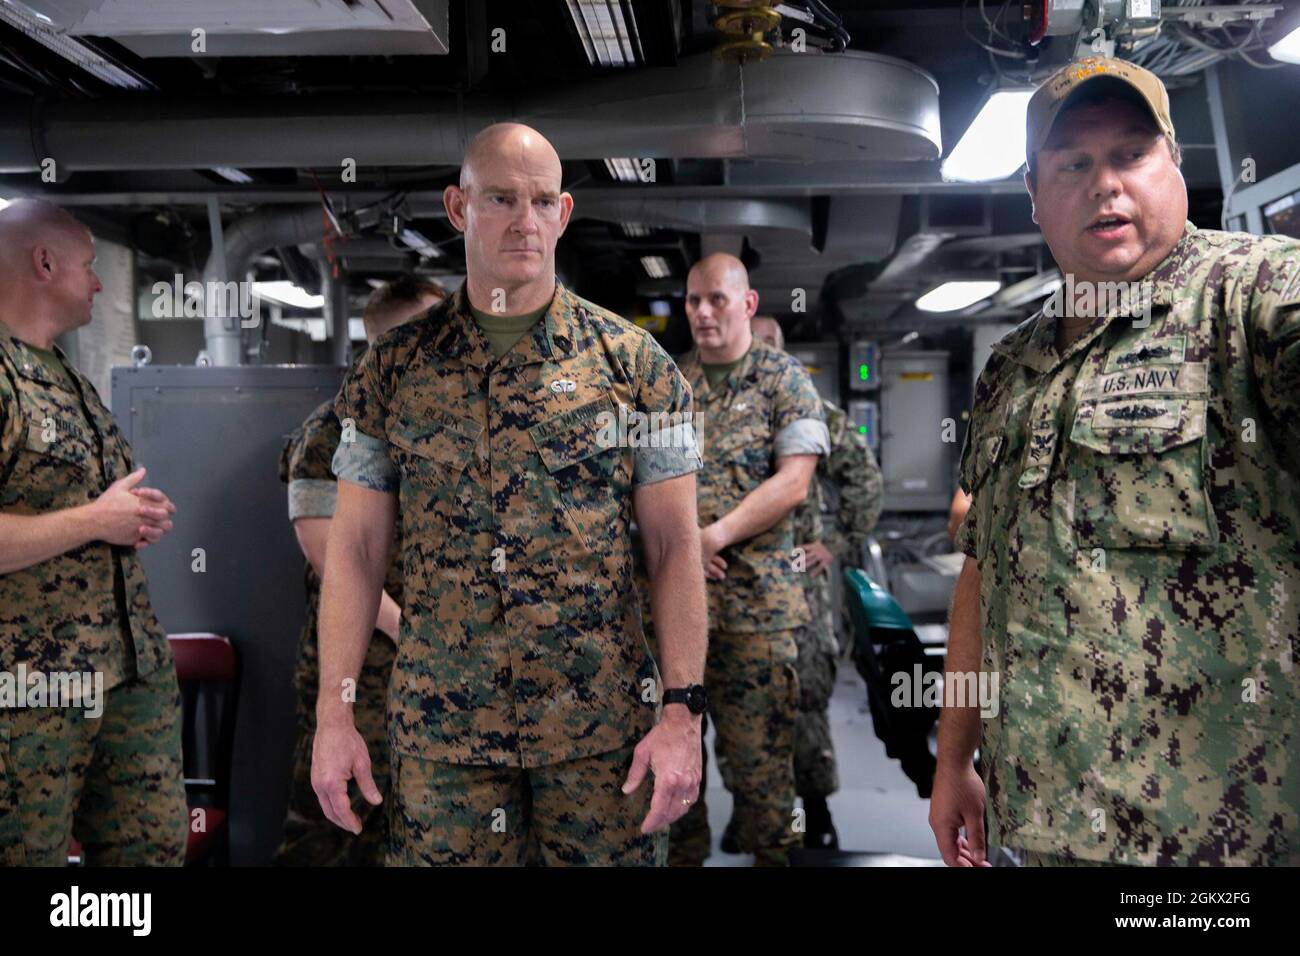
[763, 433]
[74, 602]
[309, 838]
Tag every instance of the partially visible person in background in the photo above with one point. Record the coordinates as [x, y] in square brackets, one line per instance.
[842, 508]
[309, 838]
[957, 512]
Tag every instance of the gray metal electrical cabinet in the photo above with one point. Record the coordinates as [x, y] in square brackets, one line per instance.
[211, 438]
[915, 459]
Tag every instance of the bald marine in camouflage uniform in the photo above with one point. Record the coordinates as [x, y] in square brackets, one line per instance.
[1134, 538]
[762, 433]
[849, 475]
[309, 838]
[523, 704]
[74, 602]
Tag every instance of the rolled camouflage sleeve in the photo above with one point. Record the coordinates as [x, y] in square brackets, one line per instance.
[11, 428]
[363, 451]
[800, 425]
[664, 395]
[1274, 336]
[307, 470]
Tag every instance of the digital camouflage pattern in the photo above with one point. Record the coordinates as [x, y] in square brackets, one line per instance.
[309, 838]
[768, 395]
[521, 639]
[60, 448]
[571, 813]
[1136, 521]
[85, 611]
[115, 782]
[816, 771]
[753, 699]
[764, 409]
[849, 487]
[843, 506]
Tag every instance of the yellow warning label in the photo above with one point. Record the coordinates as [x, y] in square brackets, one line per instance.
[917, 376]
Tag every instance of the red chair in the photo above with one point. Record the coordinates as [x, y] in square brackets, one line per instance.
[207, 668]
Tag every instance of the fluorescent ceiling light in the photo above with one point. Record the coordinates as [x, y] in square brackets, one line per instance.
[286, 293]
[3, 203]
[952, 296]
[794, 13]
[414, 239]
[230, 174]
[993, 146]
[1287, 49]
[624, 170]
[634, 230]
[608, 37]
[43, 30]
[656, 267]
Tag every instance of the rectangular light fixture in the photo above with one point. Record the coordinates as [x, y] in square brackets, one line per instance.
[656, 267]
[54, 38]
[634, 230]
[1287, 49]
[609, 38]
[993, 146]
[3, 202]
[622, 169]
[415, 240]
[286, 293]
[952, 296]
[232, 175]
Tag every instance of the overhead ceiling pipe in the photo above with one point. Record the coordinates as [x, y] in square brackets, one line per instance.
[245, 239]
[337, 311]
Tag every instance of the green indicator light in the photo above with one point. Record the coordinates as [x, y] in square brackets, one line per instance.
[862, 429]
[863, 373]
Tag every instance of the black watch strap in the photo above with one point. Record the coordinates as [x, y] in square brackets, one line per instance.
[694, 697]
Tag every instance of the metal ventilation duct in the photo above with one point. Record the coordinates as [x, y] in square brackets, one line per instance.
[795, 106]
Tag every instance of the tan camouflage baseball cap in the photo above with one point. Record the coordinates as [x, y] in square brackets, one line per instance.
[1050, 98]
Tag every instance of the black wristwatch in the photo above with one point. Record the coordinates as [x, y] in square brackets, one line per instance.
[694, 697]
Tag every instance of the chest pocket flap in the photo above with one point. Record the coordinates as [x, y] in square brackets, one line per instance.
[69, 443]
[436, 437]
[577, 434]
[1134, 426]
[1137, 470]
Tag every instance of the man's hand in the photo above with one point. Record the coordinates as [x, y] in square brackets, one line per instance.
[128, 514]
[956, 801]
[715, 568]
[672, 752]
[338, 754]
[817, 557]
